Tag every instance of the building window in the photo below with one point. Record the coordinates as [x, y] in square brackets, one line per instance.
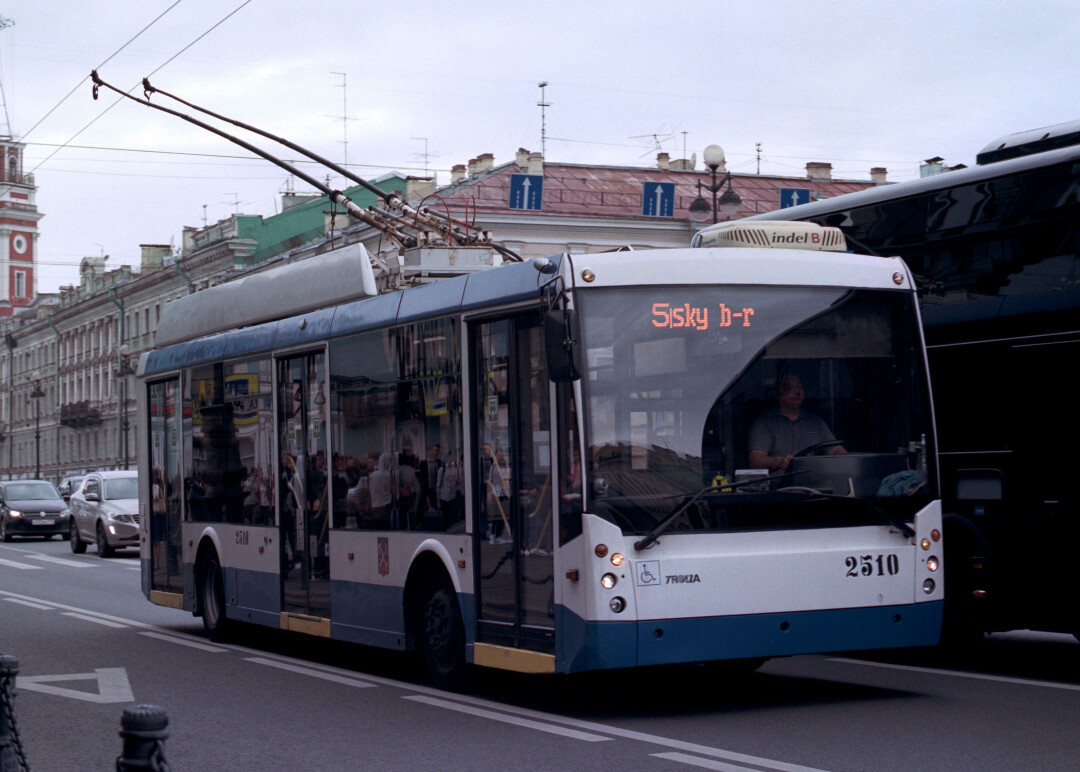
[20, 284]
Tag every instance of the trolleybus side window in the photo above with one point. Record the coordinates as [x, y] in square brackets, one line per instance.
[396, 410]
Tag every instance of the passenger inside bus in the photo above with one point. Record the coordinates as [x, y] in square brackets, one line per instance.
[781, 432]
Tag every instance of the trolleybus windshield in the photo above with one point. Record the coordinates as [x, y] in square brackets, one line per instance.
[677, 377]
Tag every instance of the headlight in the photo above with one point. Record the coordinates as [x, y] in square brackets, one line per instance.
[607, 581]
[14, 513]
[932, 563]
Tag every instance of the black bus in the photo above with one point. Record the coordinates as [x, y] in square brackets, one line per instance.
[994, 250]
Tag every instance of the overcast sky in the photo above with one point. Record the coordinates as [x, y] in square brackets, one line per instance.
[857, 84]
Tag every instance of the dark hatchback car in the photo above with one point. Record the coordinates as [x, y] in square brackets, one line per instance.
[32, 508]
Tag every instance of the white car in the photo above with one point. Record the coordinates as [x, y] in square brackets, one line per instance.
[105, 511]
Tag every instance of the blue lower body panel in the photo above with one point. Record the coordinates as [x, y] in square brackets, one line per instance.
[596, 645]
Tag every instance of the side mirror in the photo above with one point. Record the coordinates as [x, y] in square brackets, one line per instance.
[562, 346]
[93, 497]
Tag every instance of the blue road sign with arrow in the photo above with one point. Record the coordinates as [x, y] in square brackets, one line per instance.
[794, 197]
[658, 199]
[526, 191]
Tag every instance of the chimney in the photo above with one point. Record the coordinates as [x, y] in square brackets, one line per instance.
[457, 173]
[536, 163]
[663, 161]
[417, 188]
[685, 164]
[484, 162]
[153, 256]
[472, 167]
[819, 171]
[521, 158]
[877, 175]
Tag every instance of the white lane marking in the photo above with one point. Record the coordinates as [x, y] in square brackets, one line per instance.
[184, 642]
[112, 685]
[495, 716]
[123, 622]
[961, 674]
[630, 734]
[41, 606]
[65, 561]
[309, 672]
[695, 761]
[13, 564]
[96, 620]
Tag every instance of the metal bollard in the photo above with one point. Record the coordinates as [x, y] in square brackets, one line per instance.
[143, 732]
[12, 757]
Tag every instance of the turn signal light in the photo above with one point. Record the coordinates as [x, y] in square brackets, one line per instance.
[617, 559]
[935, 535]
[925, 543]
[600, 550]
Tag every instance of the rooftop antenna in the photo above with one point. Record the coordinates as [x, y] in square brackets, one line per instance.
[543, 104]
[344, 117]
[425, 155]
[5, 130]
[759, 158]
[204, 215]
[235, 202]
[657, 141]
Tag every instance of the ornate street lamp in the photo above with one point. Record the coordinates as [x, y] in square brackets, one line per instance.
[728, 203]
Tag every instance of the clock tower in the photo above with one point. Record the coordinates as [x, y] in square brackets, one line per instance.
[18, 230]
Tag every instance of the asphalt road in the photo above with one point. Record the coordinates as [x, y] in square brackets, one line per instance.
[89, 644]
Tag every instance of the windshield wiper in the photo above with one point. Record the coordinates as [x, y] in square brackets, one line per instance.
[650, 538]
[896, 523]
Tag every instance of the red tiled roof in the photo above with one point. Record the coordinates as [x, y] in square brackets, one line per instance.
[613, 191]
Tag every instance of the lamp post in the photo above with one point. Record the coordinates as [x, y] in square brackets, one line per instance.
[728, 203]
[36, 395]
[123, 371]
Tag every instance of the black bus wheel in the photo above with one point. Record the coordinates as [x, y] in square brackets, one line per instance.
[442, 636]
[212, 597]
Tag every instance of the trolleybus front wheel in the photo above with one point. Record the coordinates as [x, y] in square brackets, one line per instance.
[442, 635]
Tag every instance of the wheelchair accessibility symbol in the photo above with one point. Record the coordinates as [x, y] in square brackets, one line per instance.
[648, 572]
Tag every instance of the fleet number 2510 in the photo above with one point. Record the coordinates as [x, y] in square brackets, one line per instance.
[872, 565]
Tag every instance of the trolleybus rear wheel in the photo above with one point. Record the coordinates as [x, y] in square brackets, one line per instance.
[212, 597]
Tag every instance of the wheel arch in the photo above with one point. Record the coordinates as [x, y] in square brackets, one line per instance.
[208, 541]
[431, 562]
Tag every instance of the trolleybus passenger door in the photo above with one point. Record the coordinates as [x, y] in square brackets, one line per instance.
[165, 537]
[302, 486]
[512, 515]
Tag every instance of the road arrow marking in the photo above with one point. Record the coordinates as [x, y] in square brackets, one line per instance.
[112, 685]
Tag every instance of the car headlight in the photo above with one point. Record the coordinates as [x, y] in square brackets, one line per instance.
[14, 513]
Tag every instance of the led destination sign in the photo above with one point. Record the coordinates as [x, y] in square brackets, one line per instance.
[666, 315]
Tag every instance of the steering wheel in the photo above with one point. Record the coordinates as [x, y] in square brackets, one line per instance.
[812, 449]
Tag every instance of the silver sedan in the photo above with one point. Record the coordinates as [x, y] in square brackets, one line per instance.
[105, 511]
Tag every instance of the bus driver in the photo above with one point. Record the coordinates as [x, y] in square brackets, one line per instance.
[781, 432]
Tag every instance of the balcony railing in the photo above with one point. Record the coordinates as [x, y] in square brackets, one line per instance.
[80, 414]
